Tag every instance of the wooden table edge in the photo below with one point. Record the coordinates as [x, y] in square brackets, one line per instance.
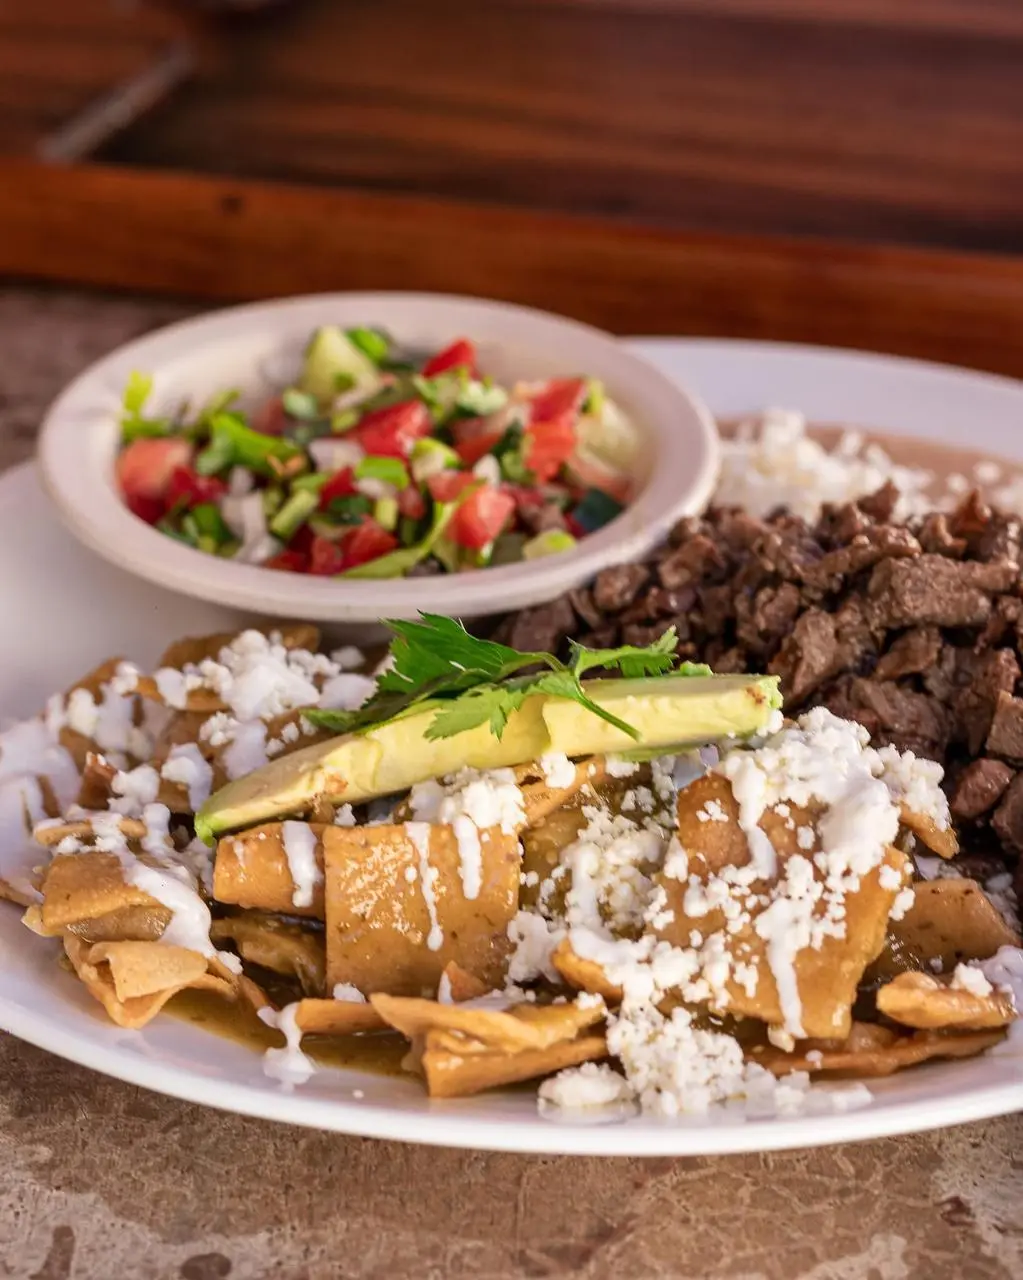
[221, 238]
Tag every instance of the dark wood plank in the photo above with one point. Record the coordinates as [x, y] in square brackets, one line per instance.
[759, 115]
[218, 239]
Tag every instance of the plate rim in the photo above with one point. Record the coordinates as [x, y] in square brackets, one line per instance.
[443, 1126]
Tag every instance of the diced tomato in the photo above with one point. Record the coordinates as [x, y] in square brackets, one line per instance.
[481, 517]
[447, 485]
[524, 495]
[464, 429]
[367, 541]
[302, 541]
[392, 431]
[548, 445]
[470, 451]
[340, 485]
[270, 418]
[144, 470]
[557, 398]
[411, 503]
[325, 557]
[290, 561]
[460, 355]
[590, 472]
[189, 489]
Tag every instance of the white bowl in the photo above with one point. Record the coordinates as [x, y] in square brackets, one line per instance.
[257, 347]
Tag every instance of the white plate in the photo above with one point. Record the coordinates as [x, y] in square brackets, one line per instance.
[65, 610]
[258, 349]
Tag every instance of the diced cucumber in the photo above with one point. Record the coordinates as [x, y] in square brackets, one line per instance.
[294, 513]
[385, 513]
[373, 343]
[331, 355]
[430, 457]
[549, 543]
[480, 400]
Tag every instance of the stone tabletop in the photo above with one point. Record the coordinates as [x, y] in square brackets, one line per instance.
[103, 1181]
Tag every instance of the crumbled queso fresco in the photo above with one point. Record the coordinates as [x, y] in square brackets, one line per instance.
[771, 462]
[606, 897]
[258, 679]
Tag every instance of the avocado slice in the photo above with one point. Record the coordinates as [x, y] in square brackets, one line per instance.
[665, 710]
[332, 353]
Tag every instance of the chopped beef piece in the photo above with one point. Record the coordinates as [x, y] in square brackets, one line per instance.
[740, 532]
[936, 537]
[928, 589]
[979, 788]
[880, 505]
[674, 571]
[911, 653]
[766, 618]
[842, 524]
[1001, 540]
[972, 516]
[903, 712]
[993, 676]
[542, 628]
[808, 656]
[881, 542]
[1006, 735]
[717, 606]
[659, 602]
[581, 600]
[637, 633]
[615, 589]
[1008, 819]
[790, 552]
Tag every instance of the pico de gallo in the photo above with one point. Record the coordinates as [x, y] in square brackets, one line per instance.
[381, 463]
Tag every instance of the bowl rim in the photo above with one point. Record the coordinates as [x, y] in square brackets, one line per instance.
[77, 472]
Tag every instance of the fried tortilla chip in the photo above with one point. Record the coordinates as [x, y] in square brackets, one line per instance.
[53, 833]
[126, 924]
[389, 931]
[826, 977]
[95, 789]
[924, 1002]
[86, 886]
[874, 1051]
[540, 799]
[336, 1017]
[950, 921]
[939, 840]
[451, 1075]
[76, 744]
[488, 1030]
[191, 650]
[280, 945]
[134, 980]
[584, 975]
[463, 985]
[542, 846]
[252, 871]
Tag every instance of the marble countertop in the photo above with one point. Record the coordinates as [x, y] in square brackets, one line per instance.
[100, 1180]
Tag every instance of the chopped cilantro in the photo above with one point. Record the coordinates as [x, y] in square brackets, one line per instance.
[471, 682]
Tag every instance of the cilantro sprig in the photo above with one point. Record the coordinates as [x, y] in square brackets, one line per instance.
[468, 682]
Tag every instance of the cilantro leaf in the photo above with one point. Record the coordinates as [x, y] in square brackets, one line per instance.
[486, 704]
[693, 669]
[656, 659]
[467, 682]
[136, 392]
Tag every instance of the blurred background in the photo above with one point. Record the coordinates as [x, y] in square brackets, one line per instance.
[838, 171]
[878, 120]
